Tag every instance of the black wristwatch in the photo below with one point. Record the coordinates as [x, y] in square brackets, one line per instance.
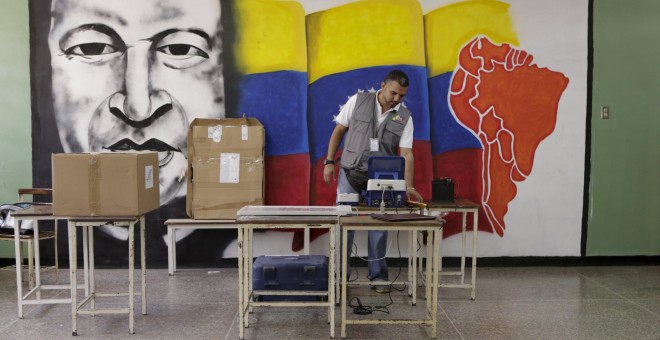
[328, 161]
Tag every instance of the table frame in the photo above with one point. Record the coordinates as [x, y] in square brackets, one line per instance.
[36, 213]
[368, 223]
[412, 251]
[463, 206]
[186, 223]
[88, 224]
[246, 227]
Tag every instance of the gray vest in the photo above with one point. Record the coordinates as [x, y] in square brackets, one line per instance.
[362, 127]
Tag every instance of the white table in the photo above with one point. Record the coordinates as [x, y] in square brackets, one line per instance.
[367, 223]
[412, 244]
[189, 224]
[87, 224]
[174, 224]
[33, 297]
[465, 207]
[246, 225]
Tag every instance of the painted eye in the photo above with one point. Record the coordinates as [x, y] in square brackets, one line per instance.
[91, 43]
[182, 51]
[91, 49]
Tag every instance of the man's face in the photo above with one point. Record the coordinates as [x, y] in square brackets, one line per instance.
[132, 75]
[392, 94]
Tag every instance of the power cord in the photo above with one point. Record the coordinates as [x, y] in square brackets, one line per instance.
[382, 201]
[400, 266]
[361, 309]
[357, 273]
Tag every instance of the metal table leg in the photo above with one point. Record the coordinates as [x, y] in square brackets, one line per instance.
[241, 287]
[19, 271]
[131, 277]
[143, 266]
[73, 264]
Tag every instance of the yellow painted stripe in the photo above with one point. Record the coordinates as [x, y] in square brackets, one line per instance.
[270, 36]
[363, 34]
[450, 27]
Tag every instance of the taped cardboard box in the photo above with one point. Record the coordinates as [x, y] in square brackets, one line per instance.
[105, 184]
[225, 167]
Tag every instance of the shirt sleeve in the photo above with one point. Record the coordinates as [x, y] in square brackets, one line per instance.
[406, 140]
[346, 111]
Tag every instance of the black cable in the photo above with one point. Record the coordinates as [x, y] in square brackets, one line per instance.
[361, 309]
[384, 308]
[400, 266]
[348, 260]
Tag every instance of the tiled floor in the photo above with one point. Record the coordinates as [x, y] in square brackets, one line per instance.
[620, 302]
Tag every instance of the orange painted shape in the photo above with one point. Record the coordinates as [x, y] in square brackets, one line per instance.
[511, 105]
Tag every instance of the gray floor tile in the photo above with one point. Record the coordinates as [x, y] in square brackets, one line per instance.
[534, 284]
[632, 282]
[512, 303]
[558, 319]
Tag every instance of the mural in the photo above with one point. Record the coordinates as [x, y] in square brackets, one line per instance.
[270, 52]
[128, 76]
[507, 77]
[486, 92]
[494, 98]
[346, 55]
[495, 106]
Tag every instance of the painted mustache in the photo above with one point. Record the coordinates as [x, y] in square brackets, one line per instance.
[160, 111]
[152, 144]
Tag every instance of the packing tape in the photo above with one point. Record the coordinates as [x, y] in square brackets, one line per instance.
[229, 205]
[93, 184]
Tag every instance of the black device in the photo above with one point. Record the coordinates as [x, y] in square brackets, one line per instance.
[443, 190]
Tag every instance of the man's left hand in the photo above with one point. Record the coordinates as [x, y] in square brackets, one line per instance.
[413, 195]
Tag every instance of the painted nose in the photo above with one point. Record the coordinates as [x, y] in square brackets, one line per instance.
[137, 105]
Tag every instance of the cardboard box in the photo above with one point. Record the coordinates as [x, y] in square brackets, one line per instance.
[225, 167]
[105, 184]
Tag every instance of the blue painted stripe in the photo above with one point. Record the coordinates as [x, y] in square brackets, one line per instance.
[279, 101]
[446, 133]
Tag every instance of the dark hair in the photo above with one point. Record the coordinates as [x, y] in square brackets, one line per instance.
[397, 76]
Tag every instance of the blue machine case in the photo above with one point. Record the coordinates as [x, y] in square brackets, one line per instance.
[290, 272]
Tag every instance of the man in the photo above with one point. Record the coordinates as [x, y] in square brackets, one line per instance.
[377, 124]
[132, 75]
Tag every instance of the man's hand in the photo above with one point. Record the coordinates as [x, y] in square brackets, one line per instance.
[328, 173]
[335, 139]
[413, 195]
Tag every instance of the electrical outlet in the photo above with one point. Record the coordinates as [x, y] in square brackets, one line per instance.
[605, 112]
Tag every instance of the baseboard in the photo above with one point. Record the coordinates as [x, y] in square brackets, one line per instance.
[556, 261]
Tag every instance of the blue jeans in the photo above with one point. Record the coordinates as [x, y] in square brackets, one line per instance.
[377, 239]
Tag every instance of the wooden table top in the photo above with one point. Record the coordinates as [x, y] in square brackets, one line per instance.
[458, 203]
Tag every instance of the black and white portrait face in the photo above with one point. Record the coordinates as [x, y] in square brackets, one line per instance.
[132, 75]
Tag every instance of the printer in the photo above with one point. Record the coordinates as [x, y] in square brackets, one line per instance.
[386, 181]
